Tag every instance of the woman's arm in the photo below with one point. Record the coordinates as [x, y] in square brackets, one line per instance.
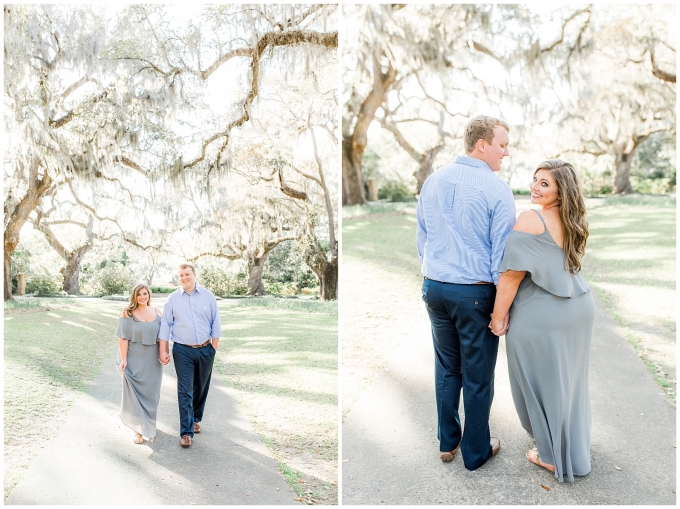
[123, 347]
[508, 283]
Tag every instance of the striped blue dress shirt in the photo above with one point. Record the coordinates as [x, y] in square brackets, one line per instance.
[465, 214]
[190, 319]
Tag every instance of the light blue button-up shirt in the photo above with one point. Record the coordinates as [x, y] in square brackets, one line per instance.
[190, 319]
[465, 214]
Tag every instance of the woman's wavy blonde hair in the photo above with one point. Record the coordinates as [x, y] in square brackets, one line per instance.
[133, 304]
[572, 211]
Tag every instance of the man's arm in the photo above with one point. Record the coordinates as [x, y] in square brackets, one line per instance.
[502, 221]
[216, 328]
[164, 333]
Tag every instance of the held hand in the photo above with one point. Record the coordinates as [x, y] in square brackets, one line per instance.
[122, 365]
[164, 358]
[499, 326]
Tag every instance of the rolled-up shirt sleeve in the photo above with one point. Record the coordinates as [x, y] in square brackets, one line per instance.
[216, 329]
[502, 220]
[166, 321]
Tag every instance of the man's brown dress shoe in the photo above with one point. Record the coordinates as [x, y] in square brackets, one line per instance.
[185, 441]
[448, 456]
[197, 428]
[495, 446]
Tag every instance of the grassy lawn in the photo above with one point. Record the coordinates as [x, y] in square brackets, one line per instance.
[50, 359]
[630, 262]
[282, 363]
[280, 356]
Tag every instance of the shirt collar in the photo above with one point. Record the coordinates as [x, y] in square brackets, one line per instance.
[472, 161]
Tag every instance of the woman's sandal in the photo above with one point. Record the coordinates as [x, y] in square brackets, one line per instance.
[532, 455]
[139, 439]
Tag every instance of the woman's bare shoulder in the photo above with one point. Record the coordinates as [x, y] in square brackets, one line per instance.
[125, 314]
[529, 222]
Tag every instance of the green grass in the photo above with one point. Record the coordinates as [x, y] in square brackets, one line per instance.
[282, 365]
[377, 207]
[630, 263]
[304, 305]
[33, 302]
[641, 199]
[50, 359]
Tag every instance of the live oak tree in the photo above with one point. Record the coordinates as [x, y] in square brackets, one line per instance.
[406, 64]
[622, 89]
[87, 96]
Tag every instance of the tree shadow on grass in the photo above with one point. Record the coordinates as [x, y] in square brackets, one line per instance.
[231, 371]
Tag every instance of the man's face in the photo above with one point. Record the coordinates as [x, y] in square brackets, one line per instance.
[494, 153]
[187, 278]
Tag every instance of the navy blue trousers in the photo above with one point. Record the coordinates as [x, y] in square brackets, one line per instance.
[465, 358]
[193, 367]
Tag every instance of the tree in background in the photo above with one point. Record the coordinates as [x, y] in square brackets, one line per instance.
[92, 99]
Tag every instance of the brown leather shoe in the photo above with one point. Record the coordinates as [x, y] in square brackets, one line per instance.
[495, 446]
[185, 441]
[197, 428]
[448, 456]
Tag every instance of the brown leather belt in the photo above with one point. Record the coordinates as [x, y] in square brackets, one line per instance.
[475, 283]
[200, 346]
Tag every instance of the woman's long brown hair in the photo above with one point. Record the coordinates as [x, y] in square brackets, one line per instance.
[572, 212]
[132, 305]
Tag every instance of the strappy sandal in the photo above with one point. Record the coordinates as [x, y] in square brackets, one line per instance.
[532, 455]
[139, 439]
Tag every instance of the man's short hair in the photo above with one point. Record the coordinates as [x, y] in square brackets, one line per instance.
[187, 266]
[481, 128]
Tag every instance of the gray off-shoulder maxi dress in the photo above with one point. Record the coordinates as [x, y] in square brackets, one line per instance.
[142, 377]
[548, 343]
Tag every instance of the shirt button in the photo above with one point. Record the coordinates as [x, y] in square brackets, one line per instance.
[475, 303]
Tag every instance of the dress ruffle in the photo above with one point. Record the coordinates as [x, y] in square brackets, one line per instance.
[539, 255]
[145, 333]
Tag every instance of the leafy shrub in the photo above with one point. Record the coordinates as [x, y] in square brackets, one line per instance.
[651, 185]
[280, 288]
[395, 191]
[223, 283]
[307, 279]
[114, 278]
[44, 283]
[162, 289]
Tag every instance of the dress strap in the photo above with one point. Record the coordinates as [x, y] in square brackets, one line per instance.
[539, 215]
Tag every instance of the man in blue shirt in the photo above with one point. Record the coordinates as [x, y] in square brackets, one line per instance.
[192, 320]
[465, 214]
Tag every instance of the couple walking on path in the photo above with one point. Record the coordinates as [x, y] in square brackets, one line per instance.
[486, 276]
[191, 318]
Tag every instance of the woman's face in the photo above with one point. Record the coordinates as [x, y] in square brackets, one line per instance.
[544, 189]
[143, 297]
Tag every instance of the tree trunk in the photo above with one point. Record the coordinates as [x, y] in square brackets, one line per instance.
[622, 183]
[328, 277]
[37, 187]
[425, 166]
[71, 272]
[352, 176]
[255, 268]
[354, 143]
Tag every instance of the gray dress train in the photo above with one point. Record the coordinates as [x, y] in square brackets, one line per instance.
[142, 376]
[548, 343]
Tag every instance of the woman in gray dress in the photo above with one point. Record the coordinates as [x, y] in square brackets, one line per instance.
[139, 363]
[545, 305]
